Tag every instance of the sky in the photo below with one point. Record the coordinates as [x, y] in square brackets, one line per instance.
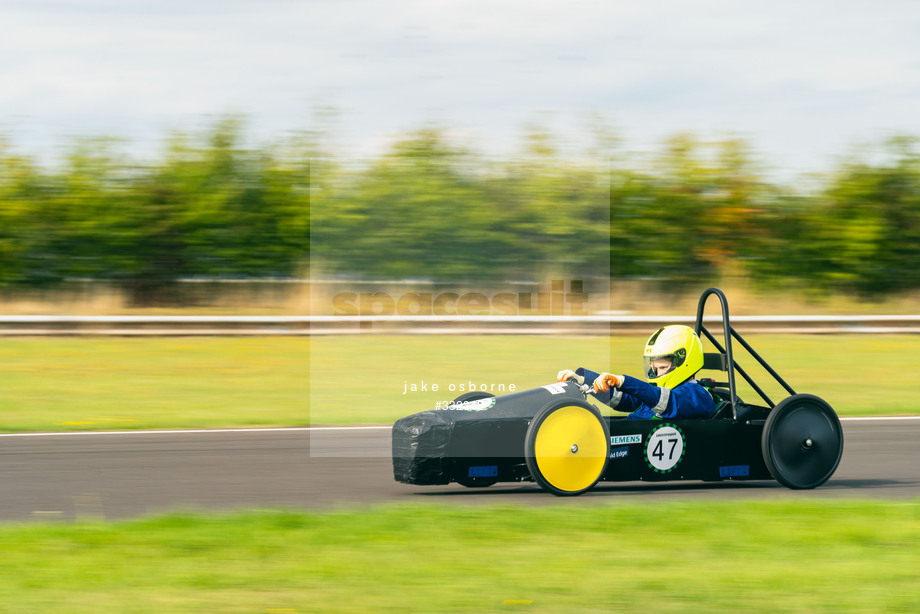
[802, 81]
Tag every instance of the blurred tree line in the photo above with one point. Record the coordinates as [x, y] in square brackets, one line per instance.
[208, 208]
[211, 207]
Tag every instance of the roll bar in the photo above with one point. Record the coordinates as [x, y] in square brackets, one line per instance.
[724, 360]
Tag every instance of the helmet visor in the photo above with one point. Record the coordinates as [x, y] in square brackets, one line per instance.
[659, 366]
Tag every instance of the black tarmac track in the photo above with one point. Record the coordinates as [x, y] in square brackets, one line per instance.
[130, 474]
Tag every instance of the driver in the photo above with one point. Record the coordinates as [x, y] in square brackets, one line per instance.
[673, 355]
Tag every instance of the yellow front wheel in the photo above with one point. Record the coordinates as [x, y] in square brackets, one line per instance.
[566, 447]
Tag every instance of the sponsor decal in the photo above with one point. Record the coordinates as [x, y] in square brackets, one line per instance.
[618, 440]
[733, 471]
[622, 452]
[486, 471]
[556, 388]
[477, 405]
[664, 448]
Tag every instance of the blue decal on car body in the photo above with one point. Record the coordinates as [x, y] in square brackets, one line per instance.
[486, 471]
[734, 471]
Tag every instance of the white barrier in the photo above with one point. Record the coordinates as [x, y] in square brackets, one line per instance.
[425, 324]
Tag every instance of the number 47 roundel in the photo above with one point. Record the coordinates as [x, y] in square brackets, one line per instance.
[664, 448]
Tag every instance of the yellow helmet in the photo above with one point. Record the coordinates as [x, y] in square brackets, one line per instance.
[672, 356]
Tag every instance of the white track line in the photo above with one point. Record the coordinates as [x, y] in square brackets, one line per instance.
[879, 418]
[198, 431]
[324, 428]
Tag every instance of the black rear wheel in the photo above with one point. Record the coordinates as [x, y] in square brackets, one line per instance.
[802, 441]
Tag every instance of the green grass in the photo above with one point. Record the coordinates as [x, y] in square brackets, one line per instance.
[801, 556]
[54, 384]
[353, 378]
[360, 379]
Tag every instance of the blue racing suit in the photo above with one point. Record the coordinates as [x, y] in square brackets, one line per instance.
[646, 402]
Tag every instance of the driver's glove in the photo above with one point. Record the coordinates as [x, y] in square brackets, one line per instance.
[606, 381]
[567, 374]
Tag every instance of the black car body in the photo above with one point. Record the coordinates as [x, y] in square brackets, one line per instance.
[550, 433]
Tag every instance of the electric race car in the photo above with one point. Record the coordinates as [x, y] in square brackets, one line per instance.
[552, 435]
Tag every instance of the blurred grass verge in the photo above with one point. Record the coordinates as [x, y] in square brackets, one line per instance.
[849, 371]
[75, 384]
[72, 384]
[790, 556]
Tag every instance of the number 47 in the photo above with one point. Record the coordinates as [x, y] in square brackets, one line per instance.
[658, 452]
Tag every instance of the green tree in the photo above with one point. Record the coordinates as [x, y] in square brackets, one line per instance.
[867, 226]
[215, 209]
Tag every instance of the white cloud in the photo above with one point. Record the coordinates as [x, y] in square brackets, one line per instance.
[801, 78]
